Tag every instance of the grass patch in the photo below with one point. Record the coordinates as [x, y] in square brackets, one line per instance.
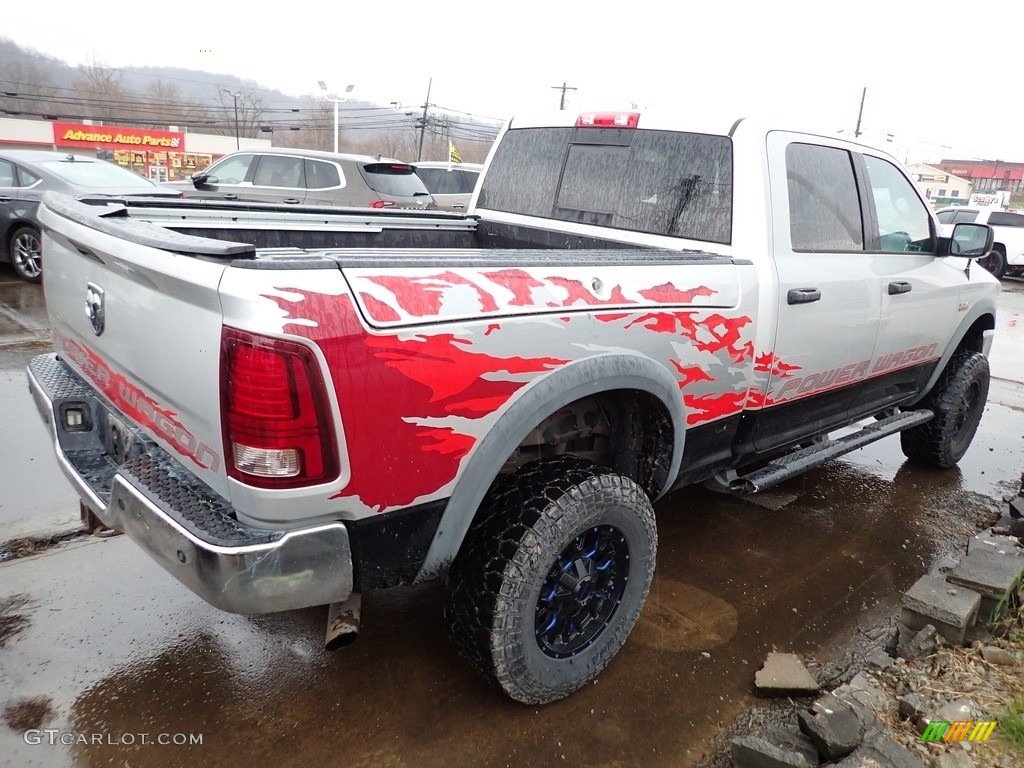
[1011, 726]
[12, 618]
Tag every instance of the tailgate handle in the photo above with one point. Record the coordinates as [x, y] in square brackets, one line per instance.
[292, 200]
[803, 295]
[230, 197]
[899, 286]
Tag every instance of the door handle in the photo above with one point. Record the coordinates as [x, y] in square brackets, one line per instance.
[292, 200]
[231, 197]
[803, 295]
[458, 206]
[899, 286]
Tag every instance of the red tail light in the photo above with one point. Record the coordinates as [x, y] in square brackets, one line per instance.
[382, 204]
[275, 415]
[608, 120]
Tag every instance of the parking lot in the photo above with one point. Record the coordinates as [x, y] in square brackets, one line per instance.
[122, 649]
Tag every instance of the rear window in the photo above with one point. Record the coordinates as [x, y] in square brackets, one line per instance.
[441, 181]
[659, 182]
[964, 217]
[1006, 219]
[95, 173]
[393, 179]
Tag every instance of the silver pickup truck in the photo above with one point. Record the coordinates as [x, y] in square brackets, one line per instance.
[288, 409]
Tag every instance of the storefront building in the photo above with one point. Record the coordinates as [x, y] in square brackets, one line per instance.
[160, 155]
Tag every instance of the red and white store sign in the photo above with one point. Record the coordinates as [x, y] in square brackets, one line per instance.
[112, 137]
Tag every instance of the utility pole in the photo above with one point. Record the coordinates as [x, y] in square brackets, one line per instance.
[563, 88]
[860, 114]
[234, 95]
[423, 122]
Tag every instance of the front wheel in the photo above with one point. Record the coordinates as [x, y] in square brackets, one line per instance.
[995, 262]
[551, 577]
[27, 254]
[958, 401]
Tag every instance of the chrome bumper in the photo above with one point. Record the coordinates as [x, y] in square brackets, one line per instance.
[182, 523]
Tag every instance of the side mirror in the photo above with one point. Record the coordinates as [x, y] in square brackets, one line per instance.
[199, 178]
[971, 241]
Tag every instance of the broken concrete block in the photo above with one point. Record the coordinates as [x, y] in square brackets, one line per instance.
[954, 760]
[881, 752]
[867, 693]
[992, 576]
[834, 727]
[916, 644]
[993, 654]
[879, 659]
[1017, 507]
[911, 705]
[754, 752]
[961, 709]
[990, 541]
[783, 674]
[790, 739]
[950, 609]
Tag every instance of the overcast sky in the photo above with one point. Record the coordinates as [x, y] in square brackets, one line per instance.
[940, 75]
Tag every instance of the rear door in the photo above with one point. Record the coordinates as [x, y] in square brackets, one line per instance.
[277, 179]
[829, 303]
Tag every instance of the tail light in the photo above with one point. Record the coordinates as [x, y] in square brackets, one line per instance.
[275, 415]
[382, 204]
[608, 120]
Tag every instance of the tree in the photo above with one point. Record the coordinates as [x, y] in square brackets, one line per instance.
[250, 112]
[164, 103]
[102, 89]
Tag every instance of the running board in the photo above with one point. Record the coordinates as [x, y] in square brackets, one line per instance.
[798, 462]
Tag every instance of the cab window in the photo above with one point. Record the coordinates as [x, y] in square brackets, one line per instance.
[824, 207]
[903, 220]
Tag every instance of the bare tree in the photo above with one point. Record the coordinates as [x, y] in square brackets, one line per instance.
[248, 107]
[101, 89]
[165, 103]
[33, 86]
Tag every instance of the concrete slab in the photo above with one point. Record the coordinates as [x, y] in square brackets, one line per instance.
[992, 576]
[783, 674]
[951, 609]
[834, 727]
[754, 752]
[987, 541]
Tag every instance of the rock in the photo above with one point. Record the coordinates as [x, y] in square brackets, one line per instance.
[880, 659]
[790, 739]
[960, 709]
[990, 541]
[881, 752]
[783, 674]
[917, 643]
[911, 705]
[866, 692]
[891, 641]
[834, 727]
[954, 760]
[992, 576]
[979, 633]
[1017, 506]
[951, 610]
[753, 752]
[995, 655]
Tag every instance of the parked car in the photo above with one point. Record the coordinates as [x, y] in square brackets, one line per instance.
[26, 174]
[1007, 256]
[451, 185]
[297, 177]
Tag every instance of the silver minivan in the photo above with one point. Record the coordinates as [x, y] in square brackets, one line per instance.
[309, 177]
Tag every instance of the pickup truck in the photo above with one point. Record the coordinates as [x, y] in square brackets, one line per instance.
[1007, 254]
[288, 409]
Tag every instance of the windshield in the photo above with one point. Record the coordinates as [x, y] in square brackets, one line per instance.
[95, 173]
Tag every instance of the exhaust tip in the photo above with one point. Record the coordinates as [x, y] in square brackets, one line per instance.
[343, 623]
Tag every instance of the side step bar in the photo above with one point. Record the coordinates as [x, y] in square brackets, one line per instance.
[792, 464]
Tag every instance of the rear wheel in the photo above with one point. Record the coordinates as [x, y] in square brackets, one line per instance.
[27, 254]
[958, 401]
[995, 262]
[551, 577]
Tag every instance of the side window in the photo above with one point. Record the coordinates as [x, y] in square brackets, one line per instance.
[903, 220]
[469, 180]
[321, 175]
[25, 178]
[1006, 219]
[824, 209]
[278, 171]
[964, 217]
[230, 171]
[7, 174]
[946, 217]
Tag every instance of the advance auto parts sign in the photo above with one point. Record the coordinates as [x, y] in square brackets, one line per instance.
[112, 137]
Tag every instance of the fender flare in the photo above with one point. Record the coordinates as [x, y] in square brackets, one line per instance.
[984, 307]
[543, 397]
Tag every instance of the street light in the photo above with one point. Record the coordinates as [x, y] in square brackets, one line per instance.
[334, 97]
[234, 95]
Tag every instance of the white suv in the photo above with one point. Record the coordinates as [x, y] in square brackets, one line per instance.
[1007, 256]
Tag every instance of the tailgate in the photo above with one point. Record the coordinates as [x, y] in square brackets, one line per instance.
[135, 311]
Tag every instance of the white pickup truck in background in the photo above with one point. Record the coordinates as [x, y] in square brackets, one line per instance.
[1007, 256]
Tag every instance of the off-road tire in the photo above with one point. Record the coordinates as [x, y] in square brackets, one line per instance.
[528, 522]
[958, 401]
[25, 252]
[995, 262]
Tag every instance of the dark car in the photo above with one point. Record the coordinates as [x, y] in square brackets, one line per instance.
[310, 177]
[26, 174]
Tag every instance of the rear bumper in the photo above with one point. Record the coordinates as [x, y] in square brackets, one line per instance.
[181, 522]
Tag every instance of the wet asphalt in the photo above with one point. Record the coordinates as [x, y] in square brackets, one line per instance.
[123, 650]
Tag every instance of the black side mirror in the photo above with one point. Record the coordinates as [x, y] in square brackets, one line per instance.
[199, 178]
[970, 241]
